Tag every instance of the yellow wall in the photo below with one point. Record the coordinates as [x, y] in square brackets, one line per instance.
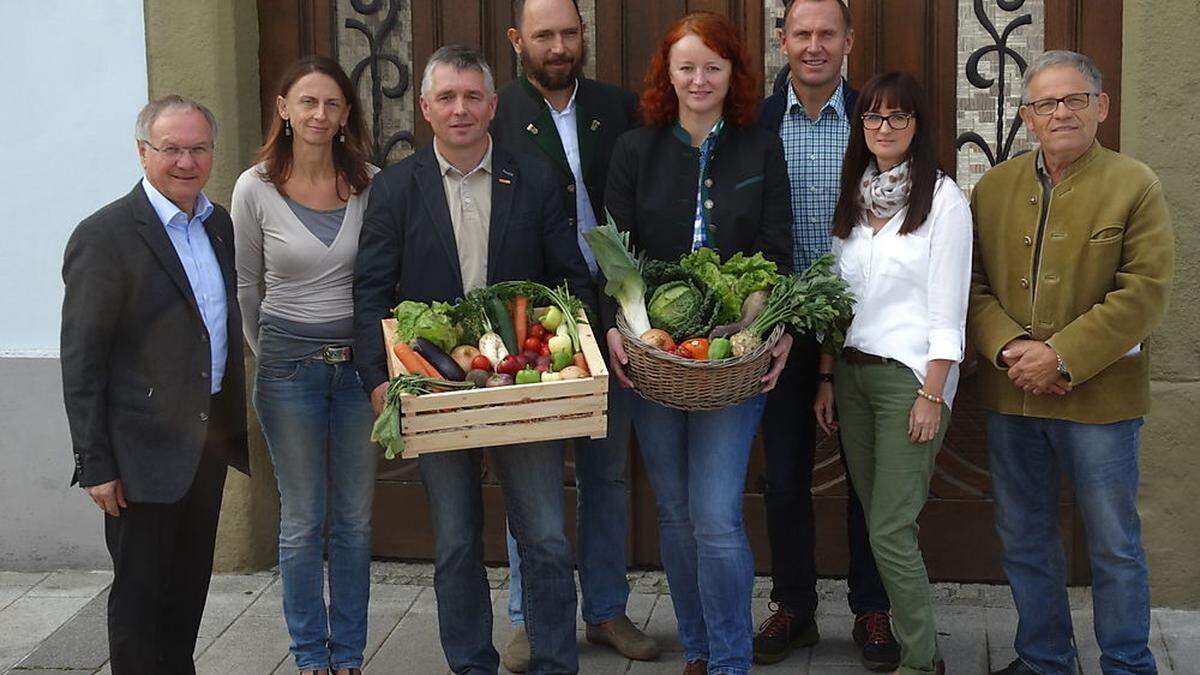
[208, 50]
[1160, 125]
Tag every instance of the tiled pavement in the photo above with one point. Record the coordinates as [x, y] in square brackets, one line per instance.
[54, 623]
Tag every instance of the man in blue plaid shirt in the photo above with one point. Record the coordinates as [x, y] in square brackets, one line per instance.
[811, 110]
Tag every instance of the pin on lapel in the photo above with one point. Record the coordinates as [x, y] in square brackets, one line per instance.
[595, 125]
[505, 179]
[532, 129]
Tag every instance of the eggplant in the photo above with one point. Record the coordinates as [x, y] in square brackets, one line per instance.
[439, 359]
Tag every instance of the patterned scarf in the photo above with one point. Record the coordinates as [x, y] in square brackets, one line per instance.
[884, 194]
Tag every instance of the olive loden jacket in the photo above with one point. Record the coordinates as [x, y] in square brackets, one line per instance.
[1106, 263]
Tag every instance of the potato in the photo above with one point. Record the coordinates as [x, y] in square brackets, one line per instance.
[463, 355]
[573, 373]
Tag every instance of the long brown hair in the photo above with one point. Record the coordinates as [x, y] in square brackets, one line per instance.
[901, 91]
[660, 105]
[349, 156]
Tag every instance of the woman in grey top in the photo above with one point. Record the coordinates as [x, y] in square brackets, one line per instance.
[296, 217]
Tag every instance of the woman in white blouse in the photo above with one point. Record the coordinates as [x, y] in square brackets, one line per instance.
[296, 218]
[902, 240]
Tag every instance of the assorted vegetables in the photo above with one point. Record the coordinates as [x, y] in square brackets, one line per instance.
[386, 431]
[705, 309]
[432, 322]
[625, 284]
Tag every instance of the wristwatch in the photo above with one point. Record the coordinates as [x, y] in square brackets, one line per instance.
[1062, 367]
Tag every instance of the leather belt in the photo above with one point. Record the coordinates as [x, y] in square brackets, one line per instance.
[335, 354]
[853, 356]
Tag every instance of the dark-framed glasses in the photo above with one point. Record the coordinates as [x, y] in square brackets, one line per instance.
[175, 153]
[1047, 106]
[897, 120]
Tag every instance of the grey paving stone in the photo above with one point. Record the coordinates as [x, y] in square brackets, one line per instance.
[962, 638]
[81, 643]
[71, 584]
[252, 644]
[836, 647]
[413, 647]
[28, 621]
[1001, 627]
[1180, 632]
[10, 593]
[389, 604]
[661, 626]
[24, 580]
[228, 597]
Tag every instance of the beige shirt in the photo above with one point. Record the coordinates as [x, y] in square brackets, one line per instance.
[469, 198]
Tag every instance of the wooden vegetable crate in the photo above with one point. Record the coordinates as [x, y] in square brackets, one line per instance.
[519, 413]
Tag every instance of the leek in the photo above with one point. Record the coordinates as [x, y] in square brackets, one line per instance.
[625, 284]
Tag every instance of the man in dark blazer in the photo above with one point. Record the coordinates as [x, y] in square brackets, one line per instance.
[572, 123]
[811, 108]
[451, 218]
[153, 383]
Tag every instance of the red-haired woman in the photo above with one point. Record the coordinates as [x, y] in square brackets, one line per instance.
[296, 217]
[702, 173]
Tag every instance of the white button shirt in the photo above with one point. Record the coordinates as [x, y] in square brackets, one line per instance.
[912, 289]
[568, 132]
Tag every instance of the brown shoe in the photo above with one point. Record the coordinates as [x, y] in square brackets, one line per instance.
[515, 656]
[696, 668]
[623, 636]
[877, 646]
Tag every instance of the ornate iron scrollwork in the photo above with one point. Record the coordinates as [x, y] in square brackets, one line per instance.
[1004, 142]
[375, 60]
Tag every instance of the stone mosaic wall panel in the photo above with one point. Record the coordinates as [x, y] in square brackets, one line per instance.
[587, 8]
[991, 32]
[373, 42]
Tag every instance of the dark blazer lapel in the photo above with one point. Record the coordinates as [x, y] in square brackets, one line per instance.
[433, 193]
[154, 233]
[224, 253]
[542, 130]
[588, 126]
[503, 188]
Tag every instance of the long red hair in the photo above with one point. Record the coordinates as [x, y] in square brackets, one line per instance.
[660, 106]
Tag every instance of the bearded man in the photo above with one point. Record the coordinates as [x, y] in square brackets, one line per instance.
[572, 123]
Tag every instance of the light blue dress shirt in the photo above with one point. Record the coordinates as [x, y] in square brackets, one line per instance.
[199, 262]
[568, 132]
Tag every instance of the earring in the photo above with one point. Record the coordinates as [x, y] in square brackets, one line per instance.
[342, 135]
[287, 127]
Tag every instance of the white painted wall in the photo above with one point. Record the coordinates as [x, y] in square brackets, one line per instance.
[73, 75]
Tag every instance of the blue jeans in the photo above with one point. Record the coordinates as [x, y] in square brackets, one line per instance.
[317, 422]
[1101, 461]
[696, 463]
[601, 512]
[531, 476]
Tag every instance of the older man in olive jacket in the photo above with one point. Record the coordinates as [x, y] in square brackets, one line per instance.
[1074, 259]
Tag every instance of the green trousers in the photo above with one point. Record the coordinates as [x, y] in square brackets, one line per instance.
[891, 476]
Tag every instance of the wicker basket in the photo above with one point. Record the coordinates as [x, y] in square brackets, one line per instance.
[688, 384]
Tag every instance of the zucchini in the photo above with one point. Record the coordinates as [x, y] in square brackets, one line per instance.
[502, 324]
[438, 359]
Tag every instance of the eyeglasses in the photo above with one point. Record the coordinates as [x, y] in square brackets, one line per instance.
[1047, 106]
[175, 153]
[897, 121]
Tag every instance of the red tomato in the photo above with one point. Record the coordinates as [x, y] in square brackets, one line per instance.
[481, 362]
[532, 344]
[544, 349]
[537, 330]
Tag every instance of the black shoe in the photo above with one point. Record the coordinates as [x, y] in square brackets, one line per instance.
[873, 635]
[1017, 667]
[782, 632]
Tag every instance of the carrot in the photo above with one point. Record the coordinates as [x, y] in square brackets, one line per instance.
[520, 319]
[414, 362]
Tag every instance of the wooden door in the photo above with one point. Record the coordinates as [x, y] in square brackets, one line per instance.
[395, 39]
